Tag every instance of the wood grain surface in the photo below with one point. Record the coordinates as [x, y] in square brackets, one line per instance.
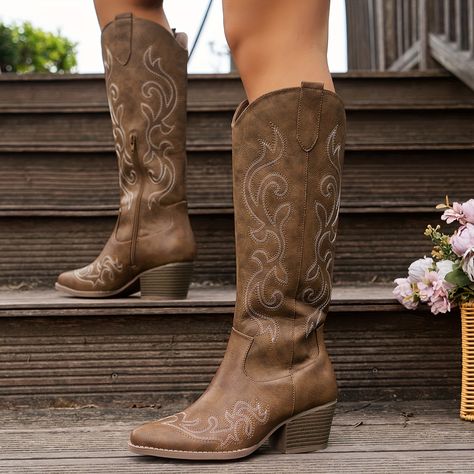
[367, 437]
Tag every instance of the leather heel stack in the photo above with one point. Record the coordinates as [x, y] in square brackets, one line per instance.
[168, 281]
[305, 433]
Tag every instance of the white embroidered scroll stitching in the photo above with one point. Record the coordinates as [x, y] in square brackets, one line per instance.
[161, 98]
[236, 424]
[261, 181]
[317, 291]
[101, 272]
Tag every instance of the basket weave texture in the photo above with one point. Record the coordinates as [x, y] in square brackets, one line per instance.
[467, 390]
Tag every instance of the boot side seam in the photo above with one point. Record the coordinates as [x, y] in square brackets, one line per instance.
[300, 262]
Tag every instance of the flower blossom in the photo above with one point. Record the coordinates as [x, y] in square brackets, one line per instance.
[426, 283]
[444, 267]
[467, 263]
[417, 270]
[463, 213]
[434, 291]
[463, 239]
[405, 294]
[468, 211]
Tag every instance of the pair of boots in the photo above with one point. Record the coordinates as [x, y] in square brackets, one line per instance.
[276, 381]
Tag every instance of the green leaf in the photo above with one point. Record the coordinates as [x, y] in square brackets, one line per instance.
[457, 277]
[24, 48]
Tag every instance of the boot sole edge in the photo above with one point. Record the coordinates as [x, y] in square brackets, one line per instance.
[128, 289]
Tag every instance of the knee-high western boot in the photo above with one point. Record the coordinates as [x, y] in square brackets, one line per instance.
[276, 378]
[152, 245]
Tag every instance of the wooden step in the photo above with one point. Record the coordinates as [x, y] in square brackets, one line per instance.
[57, 208]
[417, 112]
[207, 131]
[370, 437]
[359, 89]
[371, 246]
[379, 180]
[57, 350]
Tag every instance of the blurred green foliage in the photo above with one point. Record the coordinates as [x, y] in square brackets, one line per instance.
[24, 48]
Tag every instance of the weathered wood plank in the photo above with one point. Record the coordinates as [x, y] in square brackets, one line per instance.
[369, 412]
[324, 462]
[207, 296]
[371, 247]
[367, 129]
[88, 182]
[108, 442]
[432, 462]
[393, 437]
[33, 93]
[452, 58]
[169, 357]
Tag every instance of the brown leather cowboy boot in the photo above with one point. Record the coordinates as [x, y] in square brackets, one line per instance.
[276, 380]
[152, 245]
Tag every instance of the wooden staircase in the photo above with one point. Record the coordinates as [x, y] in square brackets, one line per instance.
[409, 143]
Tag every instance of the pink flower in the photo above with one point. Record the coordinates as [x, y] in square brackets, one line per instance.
[428, 285]
[468, 211]
[434, 289]
[468, 263]
[439, 301]
[405, 294]
[454, 214]
[440, 305]
[463, 213]
[463, 239]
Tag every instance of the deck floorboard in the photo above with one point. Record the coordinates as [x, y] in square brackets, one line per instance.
[380, 436]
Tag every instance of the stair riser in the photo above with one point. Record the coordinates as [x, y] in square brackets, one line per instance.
[367, 129]
[59, 181]
[370, 247]
[211, 91]
[169, 359]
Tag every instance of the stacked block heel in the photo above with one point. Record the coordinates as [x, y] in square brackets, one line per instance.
[167, 282]
[307, 432]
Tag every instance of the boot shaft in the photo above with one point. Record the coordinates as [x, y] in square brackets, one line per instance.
[287, 158]
[145, 71]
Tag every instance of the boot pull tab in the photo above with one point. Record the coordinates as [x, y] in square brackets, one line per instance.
[310, 103]
[122, 46]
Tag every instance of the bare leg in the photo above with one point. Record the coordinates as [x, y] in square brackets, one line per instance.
[149, 9]
[278, 43]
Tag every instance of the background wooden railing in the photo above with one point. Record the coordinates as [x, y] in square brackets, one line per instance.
[400, 35]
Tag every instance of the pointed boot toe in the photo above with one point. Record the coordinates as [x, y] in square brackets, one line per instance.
[160, 440]
[146, 437]
[66, 282]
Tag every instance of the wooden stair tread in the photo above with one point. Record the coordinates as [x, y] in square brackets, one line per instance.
[409, 436]
[86, 93]
[201, 299]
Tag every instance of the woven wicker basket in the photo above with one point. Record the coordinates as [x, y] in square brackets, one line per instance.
[467, 391]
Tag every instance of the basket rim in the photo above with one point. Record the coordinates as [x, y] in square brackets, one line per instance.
[467, 304]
